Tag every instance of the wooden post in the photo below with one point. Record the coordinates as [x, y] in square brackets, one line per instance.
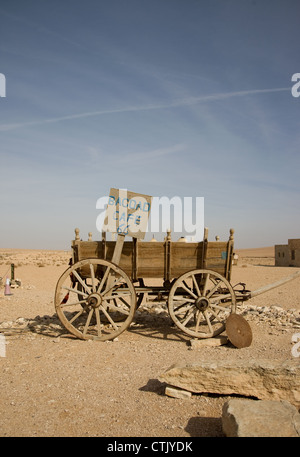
[103, 243]
[204, 247]
[118, 248]
[77, 237]
[229, 255]
[167, 266]
[134, 259]
[116, 257]
[12, 272]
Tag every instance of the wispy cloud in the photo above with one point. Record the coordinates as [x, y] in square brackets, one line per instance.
[173, 104]
[152, 154]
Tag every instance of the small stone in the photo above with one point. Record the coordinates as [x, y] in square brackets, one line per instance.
[177, 393]
[208, 342]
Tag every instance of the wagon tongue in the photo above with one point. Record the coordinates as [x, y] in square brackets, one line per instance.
[268, 287]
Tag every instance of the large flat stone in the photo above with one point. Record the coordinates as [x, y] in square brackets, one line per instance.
[260, 418]
[262, 379]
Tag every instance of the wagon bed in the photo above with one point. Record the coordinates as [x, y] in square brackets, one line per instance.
[167, 259]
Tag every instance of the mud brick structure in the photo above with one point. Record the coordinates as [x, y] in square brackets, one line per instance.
[288, 255]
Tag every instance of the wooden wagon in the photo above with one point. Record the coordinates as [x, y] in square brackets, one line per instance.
[97, 296]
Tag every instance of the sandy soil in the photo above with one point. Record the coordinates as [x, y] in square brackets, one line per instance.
[55, 385]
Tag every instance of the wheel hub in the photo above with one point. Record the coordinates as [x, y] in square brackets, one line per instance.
[94, 300]
[202, 303]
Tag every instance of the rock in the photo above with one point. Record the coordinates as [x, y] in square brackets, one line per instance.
[260, 418]
[209, 342]
[21, 320]
[177, 393]
[263, 379]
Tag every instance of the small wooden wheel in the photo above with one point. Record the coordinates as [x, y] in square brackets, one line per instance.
[95, 299]
[200, 301]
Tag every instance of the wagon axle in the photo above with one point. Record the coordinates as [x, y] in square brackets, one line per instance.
[202, 303]
[94, 300]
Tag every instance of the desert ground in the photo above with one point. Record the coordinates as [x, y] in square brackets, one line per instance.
[54, 385]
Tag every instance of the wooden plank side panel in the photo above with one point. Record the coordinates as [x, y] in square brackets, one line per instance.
[126, 256]
[150, 259]
[185, 257]
[89, 250]
[216, 257]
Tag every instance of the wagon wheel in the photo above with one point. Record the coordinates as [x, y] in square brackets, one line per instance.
[200, 301]
[95, 299]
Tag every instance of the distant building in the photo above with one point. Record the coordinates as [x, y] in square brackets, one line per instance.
[288, 255]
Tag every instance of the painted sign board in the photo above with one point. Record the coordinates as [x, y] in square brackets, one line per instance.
[127, 213]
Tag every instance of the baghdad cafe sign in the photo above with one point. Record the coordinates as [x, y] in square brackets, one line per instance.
[127, 213]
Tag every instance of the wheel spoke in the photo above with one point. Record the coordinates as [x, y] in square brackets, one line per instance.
[187, 300]
[76, 291]
[189, 291]
[76, 316]
[198, 321]
[213, 290]
[88, 321]
[196, 285]
[188, 318]
[216, 315]
[117, 283]
[208, 321]
[205, 284]
[77, 276]
[97, 312]
[180, 307]
[93, 277]
[221, 308]
[65, 305]
[103, 279]
[119, 295]
[108, 317]
[222, 297]
[116, 308]
[124, 302]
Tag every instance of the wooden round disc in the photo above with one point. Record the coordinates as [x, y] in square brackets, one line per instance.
[238, 331]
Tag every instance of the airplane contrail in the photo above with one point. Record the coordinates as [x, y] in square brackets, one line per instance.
[175, 104]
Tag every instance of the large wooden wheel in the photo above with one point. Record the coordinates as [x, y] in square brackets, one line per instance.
[200, 301]
[95, 299]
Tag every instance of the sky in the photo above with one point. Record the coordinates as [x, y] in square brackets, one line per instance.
[185, 98]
